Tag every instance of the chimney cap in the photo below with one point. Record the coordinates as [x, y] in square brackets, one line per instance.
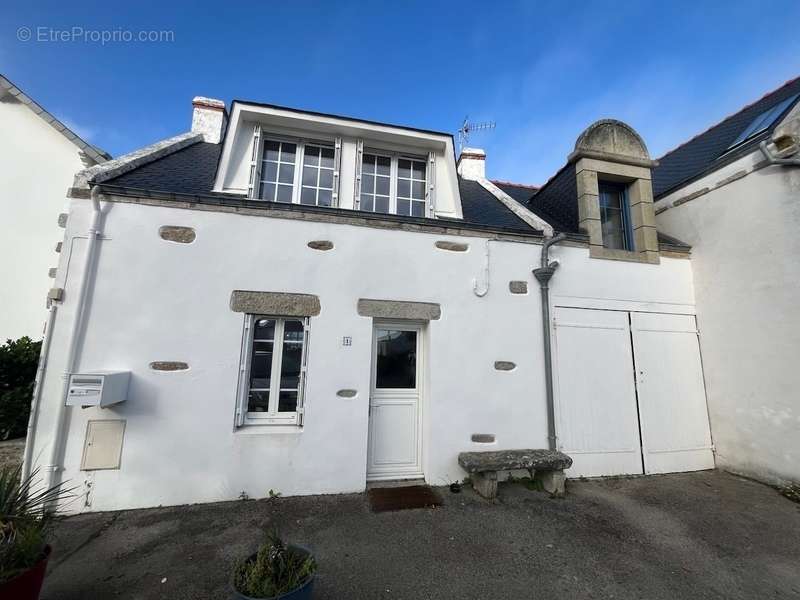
[203, 102]
[476, 153]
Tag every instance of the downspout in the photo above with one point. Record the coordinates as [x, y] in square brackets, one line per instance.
[543, 275]
[54, 467]
[33, 419]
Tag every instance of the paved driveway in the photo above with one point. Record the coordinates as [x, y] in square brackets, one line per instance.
[700, 535]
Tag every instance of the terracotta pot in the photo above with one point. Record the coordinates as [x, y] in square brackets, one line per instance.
[27, 585]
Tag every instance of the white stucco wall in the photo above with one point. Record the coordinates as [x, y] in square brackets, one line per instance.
[747, 285]
[156, 300]
[36, 167]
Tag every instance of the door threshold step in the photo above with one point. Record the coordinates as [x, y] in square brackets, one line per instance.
[392, 483]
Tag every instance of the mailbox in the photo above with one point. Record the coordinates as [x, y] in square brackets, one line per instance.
[98, 388]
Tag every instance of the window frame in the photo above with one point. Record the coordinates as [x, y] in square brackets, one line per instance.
[625, 213]
[261, 138]
[394, 171]
[272, 417]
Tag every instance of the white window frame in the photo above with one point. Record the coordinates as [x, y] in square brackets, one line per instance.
[272, 416]
[260, 138]
[428, 161]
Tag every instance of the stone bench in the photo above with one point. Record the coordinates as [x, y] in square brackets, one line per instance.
[546, 466]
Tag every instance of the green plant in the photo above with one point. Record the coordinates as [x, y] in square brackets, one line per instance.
[276, 569]
[18, 362]
[24, 520]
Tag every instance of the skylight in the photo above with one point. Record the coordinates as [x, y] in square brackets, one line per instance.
[764, 120]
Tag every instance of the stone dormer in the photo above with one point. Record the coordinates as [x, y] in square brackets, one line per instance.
[615, 193]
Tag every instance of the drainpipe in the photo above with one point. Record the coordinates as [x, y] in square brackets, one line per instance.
[33, 419]
[543, 275]
[53, 468]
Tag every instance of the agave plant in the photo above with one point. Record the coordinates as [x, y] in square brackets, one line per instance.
[24, 517]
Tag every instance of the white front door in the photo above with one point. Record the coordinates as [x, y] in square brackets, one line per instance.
[395, 441]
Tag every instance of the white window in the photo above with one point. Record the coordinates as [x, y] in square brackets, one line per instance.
[317, 184]
[411, 181]
[395, 184]
[376, 180]
[272, 371]
[296, 171]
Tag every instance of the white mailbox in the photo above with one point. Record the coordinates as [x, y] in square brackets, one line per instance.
[98, 388]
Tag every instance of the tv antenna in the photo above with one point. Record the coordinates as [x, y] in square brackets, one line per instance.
[467, 128]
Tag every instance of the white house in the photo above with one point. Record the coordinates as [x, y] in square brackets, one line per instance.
[31, 202]
[301, 302]
[733, 192]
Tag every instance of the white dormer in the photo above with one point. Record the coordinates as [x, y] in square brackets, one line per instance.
[284, 155]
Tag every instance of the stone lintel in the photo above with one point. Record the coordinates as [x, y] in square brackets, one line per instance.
[275, 303]
[611, 157]
[621, 170]
[399, 309]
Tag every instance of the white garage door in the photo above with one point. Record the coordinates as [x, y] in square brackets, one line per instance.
[672, 397]
[630, 397]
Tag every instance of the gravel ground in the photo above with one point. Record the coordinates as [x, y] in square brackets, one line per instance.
[698, 535]
[11, 452]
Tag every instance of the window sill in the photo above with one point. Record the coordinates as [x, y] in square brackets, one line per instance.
[266, 429]
[647, 257]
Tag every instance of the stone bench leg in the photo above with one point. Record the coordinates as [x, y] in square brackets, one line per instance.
[552, 482]
[485, 484]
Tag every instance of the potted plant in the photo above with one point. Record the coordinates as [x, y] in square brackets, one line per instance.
[24, 522]
[277, 570]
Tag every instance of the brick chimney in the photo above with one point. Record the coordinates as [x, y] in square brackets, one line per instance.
[209, 118]
[472, 164]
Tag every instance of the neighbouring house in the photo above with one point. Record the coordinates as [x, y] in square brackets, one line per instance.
[40, 155]
[733, 193]
[301, 302]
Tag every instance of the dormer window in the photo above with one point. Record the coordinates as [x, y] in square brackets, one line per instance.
[393, 184]
[615, 216]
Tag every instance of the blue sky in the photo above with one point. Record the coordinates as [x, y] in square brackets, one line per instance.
[542, 70]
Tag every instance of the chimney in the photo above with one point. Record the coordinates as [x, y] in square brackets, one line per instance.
[209, 118]
[472, 164]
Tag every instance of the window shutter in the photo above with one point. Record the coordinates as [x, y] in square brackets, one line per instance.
[431, 192]
[303, 370]
[337, 167]
[255, 164]
[244, 384]
[359, 162]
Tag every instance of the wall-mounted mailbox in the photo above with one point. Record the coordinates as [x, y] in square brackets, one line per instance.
[98, 388]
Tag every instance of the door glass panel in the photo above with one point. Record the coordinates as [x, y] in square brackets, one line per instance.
[396, 360]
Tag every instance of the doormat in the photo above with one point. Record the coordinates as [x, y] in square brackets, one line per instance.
[401, 498]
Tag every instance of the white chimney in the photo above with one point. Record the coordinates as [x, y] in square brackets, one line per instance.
[472, 164]
[209, 118]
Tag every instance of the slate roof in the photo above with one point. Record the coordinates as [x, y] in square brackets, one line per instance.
[192, 170]
[188, 171]
[557, 200]
[518, 191]
[705, 152]
[480, 206]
